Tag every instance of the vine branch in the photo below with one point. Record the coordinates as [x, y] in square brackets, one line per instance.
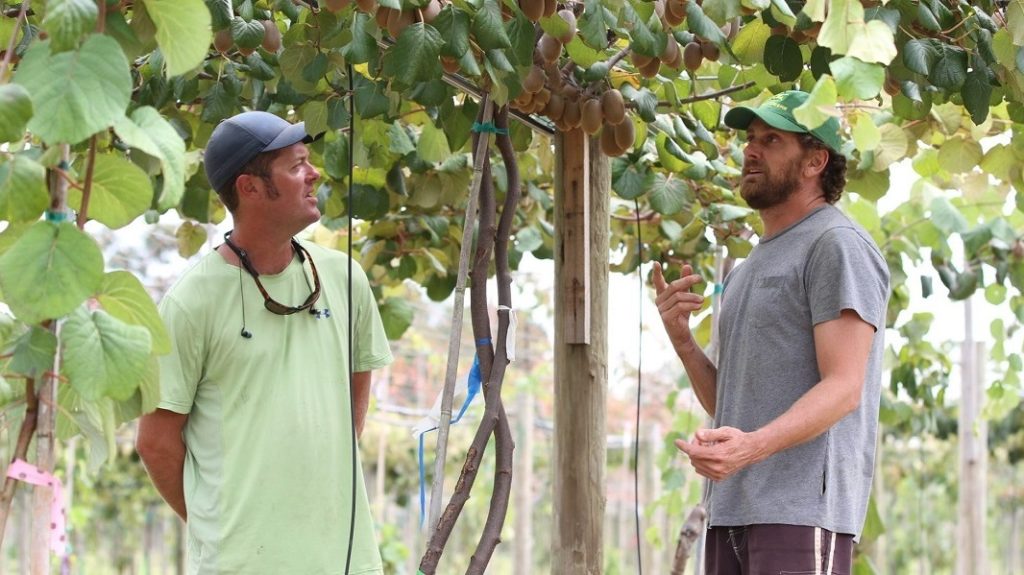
[14, 39]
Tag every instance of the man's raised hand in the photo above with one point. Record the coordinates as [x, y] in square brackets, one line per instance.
[676, 303]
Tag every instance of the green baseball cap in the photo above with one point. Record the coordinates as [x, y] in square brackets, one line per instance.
[777, 112]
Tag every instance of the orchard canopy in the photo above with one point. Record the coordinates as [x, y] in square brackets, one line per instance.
[115, 100]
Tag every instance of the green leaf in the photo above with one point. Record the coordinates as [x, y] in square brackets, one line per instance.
[488, 28]
[837, 32]
[950, 70]
[699, 23]
[363, 47]
[67, 21]
[892, 146]
[869, 185]
[669, 195]
[103, 356]
[396, 314]
[23, 194]
[432, 145]
[414, 57]
[873, 43]
[400, 143]
[630, 180]
[521, 34]
[453, 24]
[926, 19]
[314, 114]
[592, 27]
[121, 294]
[958, 155]
[368, 202]
[946, 217]
[15, 112]
[182, 31]
[82, 92]
[49, 271]
[749, 43]
[820, 105]
[920, 55]
[149, 132]
[190, 238]
[643, 40]
[121, 192]
[782, 58]
[866, 135]
[34, 352]
[247, 34]
[976, 93]
[1015, 21]
[857, 80]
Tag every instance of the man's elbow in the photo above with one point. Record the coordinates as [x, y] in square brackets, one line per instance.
[850, 401]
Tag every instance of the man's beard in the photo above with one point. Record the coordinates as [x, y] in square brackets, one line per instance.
[775, 185]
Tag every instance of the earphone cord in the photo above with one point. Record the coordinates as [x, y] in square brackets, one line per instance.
[639, 382]
[351, 394]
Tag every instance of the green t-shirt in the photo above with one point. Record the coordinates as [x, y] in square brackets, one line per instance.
[268, 471]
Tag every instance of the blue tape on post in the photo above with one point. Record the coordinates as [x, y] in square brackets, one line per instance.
[473, 385]
[488, 128]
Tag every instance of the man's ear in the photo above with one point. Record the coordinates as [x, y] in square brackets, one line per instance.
[246, 185]
[817, 160]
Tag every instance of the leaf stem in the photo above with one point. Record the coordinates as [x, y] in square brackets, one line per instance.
[14, 38]
[83, 211]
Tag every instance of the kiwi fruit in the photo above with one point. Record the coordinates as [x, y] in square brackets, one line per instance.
[223, 41]
[382, 16]
[534, 80]
[533, 9]
[399, 21]
[570, 92]
[450, 65]
[709, 51]
[639, 60]
[572, 115]
[591, 117]
[624, 134]
[891, 85]
[675, 12]
[570, 19]
[430, 11]
[271, 36]
[550, 7]
[366, 6]
[670, 55]
[651, 69]
[693, 56]
[555, 107]
[608, 145]
[613, 107]
[549, 47]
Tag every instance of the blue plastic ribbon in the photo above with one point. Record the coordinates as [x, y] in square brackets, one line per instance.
[57, 217]
[489, 128]
[473, 385]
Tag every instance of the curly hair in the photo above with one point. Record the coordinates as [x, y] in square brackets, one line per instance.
[258, 166]
[833, 178]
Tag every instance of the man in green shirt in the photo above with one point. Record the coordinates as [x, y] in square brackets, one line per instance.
[251, 444]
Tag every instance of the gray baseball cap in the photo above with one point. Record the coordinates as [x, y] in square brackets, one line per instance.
[240, 138]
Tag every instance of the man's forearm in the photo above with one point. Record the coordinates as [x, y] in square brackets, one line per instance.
[702, 373]
[813, 414]
[360, 398]
[167, 471]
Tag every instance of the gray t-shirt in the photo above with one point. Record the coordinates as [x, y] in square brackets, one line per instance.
[803, 276]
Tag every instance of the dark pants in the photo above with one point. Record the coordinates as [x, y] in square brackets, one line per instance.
[777, 549]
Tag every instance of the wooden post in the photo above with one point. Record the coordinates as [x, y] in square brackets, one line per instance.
[972, 556]
[581, 354]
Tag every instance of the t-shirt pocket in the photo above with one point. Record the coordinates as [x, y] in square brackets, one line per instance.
[766, 310]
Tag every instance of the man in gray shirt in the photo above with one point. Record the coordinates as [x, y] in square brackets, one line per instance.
[796, 390]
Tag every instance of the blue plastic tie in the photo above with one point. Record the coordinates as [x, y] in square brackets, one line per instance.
[473, 385]
[489, 128]
[57, 217]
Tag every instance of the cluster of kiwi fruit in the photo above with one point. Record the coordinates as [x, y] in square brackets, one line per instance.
[223, 41]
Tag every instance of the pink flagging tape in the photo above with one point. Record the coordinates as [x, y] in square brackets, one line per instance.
[23, 471]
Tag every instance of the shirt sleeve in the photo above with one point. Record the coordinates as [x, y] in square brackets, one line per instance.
[846, 271]
[371, 342]
[181, 369]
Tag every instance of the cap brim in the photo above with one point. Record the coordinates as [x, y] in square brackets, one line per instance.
[293, 134]
[740, 119]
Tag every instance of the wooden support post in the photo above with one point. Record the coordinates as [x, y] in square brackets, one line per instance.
[581, 371]
[574, 254]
